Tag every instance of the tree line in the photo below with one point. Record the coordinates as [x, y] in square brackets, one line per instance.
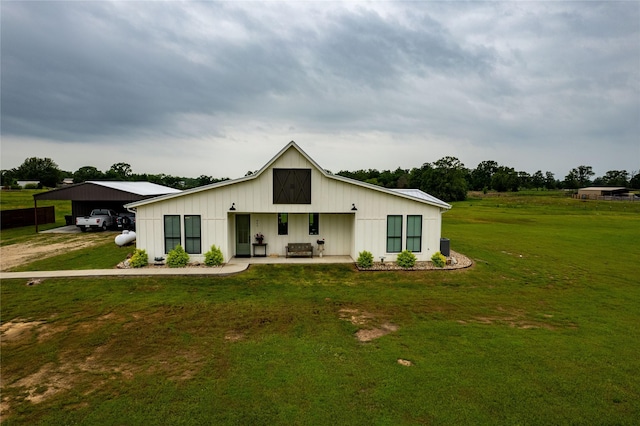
[49, 174]
[447, 178]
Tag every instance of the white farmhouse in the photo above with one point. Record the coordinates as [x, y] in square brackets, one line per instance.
[291, 200]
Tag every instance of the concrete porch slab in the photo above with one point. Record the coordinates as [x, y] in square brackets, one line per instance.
[291, 260]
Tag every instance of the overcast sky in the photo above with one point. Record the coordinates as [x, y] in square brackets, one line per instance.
[218, 88]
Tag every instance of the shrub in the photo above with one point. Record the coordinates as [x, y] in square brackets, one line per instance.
[177, 258]
[365, 259]
[406, 259]
[139, 259]
[213, 257]
[438, 259]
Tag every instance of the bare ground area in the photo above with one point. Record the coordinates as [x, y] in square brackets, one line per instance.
[371, 325]
[88, 368]
[47, 245]
[94, 366]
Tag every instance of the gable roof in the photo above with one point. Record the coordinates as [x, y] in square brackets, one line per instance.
[111, 189]
[413, 194]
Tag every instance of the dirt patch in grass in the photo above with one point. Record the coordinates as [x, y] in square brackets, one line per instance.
[45, 246]
[367, 335]
[17, 329]
[514, 319]
[234, 336]
[370, 329]
[92, 365]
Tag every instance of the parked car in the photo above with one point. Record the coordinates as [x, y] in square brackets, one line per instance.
[98, 219]
[126, 220]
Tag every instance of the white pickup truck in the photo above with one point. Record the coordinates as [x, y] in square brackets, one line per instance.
[98, 219]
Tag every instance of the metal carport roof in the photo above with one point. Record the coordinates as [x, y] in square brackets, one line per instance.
[113, 192]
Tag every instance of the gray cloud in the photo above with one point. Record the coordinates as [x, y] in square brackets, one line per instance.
[475, 75]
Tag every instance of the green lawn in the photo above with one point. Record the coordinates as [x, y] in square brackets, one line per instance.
[542, 330]
[23, 199]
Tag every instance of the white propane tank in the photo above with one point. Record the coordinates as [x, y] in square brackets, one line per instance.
[127, 237]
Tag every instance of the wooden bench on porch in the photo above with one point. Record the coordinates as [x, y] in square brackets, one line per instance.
[299, 250]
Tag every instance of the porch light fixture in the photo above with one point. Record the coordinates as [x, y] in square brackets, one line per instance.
[353, 207]
[233, 207]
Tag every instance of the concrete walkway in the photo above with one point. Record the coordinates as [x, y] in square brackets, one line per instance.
[228, 269]
[235, 266]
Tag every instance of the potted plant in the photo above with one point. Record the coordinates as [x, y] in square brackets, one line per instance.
[320, 246]
[259, 237]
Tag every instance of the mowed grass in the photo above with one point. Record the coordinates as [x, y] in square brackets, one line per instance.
[23, 199]
[542, 330]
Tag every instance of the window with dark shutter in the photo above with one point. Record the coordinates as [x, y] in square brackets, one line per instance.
[394, 234]
[291, 186]
[192, 235]
[414, 233]
[283, 224]
[171, 232]
[314, 223]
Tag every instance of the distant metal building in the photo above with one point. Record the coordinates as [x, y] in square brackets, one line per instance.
[90, 195]
[597, 192]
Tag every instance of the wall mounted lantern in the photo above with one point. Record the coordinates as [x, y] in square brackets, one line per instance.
[353, 207]
[233, 207]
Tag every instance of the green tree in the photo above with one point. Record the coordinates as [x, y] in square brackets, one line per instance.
[7, 177]
[205, 180]
[571, 180]
[579, 177]
[584, 175]
[43, 169]
[86, 173]
[524, 180]
[616, 178]
[505, 179]
[119, 171]
[550, 181]
[397, 179]
[446, 179]
[634, 182]
[480, 177]
[537, 180]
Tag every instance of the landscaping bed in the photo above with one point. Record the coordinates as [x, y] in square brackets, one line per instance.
[454, 261]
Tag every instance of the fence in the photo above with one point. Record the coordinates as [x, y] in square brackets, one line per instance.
[26, 217]
[631, 198]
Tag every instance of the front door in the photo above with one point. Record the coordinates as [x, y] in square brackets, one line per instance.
[243, 235]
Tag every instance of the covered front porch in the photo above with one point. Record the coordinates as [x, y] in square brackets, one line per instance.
[316, 260]
[281, 229]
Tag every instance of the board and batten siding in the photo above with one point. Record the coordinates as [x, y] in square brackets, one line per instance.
[346, 232]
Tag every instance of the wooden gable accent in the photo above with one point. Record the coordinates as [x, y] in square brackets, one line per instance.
[291, 186]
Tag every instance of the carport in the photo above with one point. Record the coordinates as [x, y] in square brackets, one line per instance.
[90, 195]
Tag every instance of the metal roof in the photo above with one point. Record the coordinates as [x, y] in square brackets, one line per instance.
[106, 190]
[416, 193]
[138, 188]
[603, 188]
